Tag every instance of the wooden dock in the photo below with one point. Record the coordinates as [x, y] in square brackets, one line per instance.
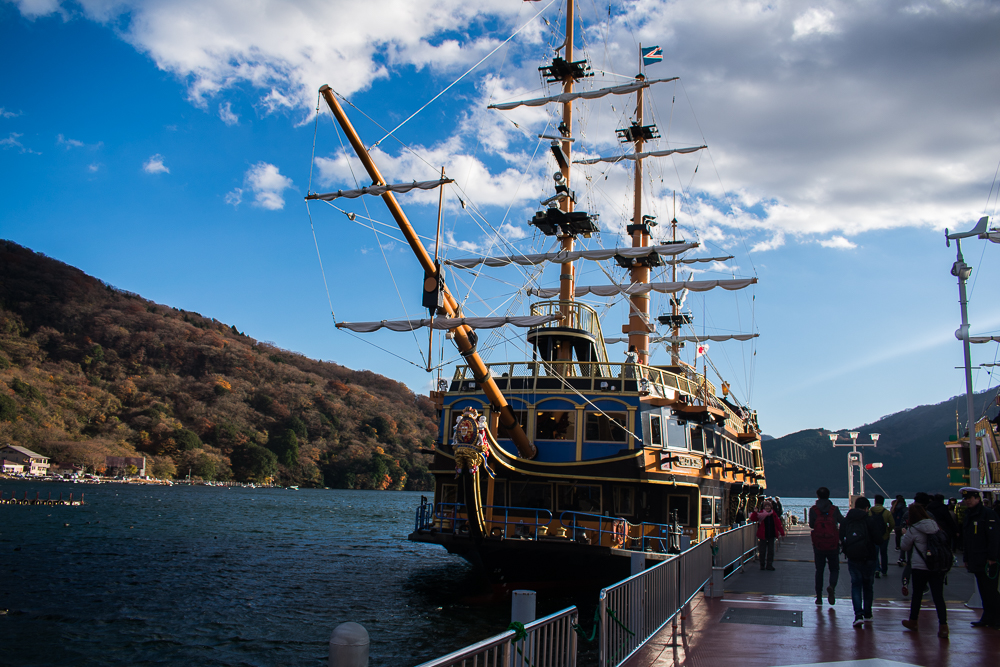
[38, 500]
[754, 624]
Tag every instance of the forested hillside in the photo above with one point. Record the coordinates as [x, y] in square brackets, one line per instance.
[911, 447]
[88, 370]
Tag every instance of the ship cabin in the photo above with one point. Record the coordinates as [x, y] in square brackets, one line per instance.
[652, 445]
[959, 457]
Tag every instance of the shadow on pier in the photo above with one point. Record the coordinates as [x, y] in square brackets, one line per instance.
[769, 619]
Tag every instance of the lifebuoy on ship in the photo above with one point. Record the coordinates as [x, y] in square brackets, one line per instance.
[618, 533]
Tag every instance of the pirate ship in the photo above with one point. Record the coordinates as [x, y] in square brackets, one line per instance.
[559, 465]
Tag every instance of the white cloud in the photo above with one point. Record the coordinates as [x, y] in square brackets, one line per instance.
[9, 114]
[13, 142]
[154, 165]
[234, 197]
[34, 8]
[68, 143]
[227, 115]
[773, 243]
[93, 168]
[838, 242]
[267, 185]
[813, 21]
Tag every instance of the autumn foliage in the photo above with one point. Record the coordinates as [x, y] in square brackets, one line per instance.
[88, 370]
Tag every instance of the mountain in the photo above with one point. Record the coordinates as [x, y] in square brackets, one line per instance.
[910, 447]
[88, 371]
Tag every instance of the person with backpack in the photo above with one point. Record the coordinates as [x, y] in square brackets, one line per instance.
[930, 560]
[981, 541]
[899, 513]
[857, 540]
[825, 519]
[884, 517]
[768, 529]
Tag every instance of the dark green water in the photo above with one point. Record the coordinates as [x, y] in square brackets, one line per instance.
[218, 576]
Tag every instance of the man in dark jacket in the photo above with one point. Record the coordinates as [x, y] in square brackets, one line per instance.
[981, 539]
[825, 519]
[939, 512]
[857, 541]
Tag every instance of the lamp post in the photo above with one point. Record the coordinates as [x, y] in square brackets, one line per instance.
[855, 459]
[962, 271]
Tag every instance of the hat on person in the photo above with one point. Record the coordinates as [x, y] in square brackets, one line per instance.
[970, 491]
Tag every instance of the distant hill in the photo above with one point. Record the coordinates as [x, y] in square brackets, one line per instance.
[910, 446]
[88, 370]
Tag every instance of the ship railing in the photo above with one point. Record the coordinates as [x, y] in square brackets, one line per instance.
[617, 532]
[735, 547]
[452, 517]
[549, 641]
[634, 610]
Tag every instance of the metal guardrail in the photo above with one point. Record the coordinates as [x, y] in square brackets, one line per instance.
[547, 642]
[735, 545]
[633, 610]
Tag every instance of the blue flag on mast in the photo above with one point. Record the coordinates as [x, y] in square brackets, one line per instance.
[653, 54]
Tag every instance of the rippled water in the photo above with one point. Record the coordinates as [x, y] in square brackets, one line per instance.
[229, 576]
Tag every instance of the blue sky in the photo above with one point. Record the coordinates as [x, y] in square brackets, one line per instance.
[164, 146]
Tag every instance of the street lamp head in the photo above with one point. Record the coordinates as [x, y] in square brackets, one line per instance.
[854, 435]
[875, 437]
[833, 437]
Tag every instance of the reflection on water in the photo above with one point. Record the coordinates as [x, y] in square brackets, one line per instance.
[220, 576]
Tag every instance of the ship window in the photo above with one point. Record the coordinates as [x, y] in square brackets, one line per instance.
[720, 515]
[555, 425]
[706, 511]
[676, 435]
[605, 427]
[624, 501]
[697, 440]
[655, 437]
[579, 498]
[531, 494]
[449, 493]
[681, 505]
[522, 418]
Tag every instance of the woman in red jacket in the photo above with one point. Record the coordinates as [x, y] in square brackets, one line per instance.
[768, 529]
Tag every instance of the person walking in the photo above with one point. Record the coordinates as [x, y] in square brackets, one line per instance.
[857, 540]
[882, 541]
[921, 527]
[939, 512]
[899, 512]
[768, 529]
[981, 541]
[825, 519]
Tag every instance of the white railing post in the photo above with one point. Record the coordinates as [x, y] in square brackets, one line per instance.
[349, 646]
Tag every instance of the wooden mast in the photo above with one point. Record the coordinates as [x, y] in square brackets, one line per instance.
[451, 307]
[567, 276]
[675, 302]
[638, 321]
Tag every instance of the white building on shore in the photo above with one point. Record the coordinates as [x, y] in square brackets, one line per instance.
[34, 463]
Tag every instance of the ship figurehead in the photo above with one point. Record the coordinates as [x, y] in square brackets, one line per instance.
[469, 441]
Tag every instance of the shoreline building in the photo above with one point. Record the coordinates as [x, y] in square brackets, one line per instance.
[35, 463]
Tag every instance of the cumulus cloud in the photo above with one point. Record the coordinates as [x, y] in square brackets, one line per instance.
[94, 168]
[227, 115]
[4, 113]
[813, 21]
[838, 242]
[234, 197]
[154, 165]
[267, 185]
[68, 143]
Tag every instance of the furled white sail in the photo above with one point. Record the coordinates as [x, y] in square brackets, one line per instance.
[581, 95]
[639, 156]
[688, 339]
[562, 257]
[695, 260]
[446, 323]
[644, 288]
[379, 190]
[984, 339]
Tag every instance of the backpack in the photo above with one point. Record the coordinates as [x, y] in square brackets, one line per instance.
[938, 555]
[883, 534]
[825, 536]
[856, 540]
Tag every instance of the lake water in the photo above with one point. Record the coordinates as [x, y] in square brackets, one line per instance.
[230, 576]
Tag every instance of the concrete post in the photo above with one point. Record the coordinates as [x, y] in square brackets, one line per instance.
[717, 584]
[349, 646]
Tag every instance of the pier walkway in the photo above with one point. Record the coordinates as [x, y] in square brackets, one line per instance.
[764, 631]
